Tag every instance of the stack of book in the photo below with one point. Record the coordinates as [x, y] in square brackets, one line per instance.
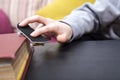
[15, 55]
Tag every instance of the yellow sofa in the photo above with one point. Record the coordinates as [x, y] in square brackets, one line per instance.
[60, 8]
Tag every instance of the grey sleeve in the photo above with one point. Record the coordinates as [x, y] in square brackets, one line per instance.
[92, 17]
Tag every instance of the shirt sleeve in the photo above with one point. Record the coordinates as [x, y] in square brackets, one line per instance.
[92, 17]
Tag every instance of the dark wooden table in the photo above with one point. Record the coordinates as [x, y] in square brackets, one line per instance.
[86, 60]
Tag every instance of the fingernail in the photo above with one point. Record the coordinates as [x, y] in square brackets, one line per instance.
[20, 24]
[32, 34]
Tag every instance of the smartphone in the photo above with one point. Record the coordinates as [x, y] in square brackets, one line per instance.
[27, 30]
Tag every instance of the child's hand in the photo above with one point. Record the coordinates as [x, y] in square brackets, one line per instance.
[49, 28]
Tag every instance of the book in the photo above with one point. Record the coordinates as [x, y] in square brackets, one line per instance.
[15, 55]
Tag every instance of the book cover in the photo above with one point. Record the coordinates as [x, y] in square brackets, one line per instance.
[15, 55]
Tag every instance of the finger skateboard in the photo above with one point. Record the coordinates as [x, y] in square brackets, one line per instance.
[34, 41]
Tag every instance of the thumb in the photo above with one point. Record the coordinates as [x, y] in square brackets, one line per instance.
[61, 38]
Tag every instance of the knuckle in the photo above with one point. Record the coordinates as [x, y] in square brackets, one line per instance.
[36, 17]
[47, 28]
[27, 20]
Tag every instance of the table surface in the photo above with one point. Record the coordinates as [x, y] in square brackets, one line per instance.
[79, 60]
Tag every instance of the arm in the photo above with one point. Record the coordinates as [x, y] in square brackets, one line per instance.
[86, 19]
[91, 18]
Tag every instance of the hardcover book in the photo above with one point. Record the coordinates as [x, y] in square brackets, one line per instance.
[15, 55]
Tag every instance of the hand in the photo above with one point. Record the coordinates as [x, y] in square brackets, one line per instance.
[49, 28]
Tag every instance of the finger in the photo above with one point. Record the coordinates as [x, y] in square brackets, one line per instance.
[45, 36]
[61, 38]
[39, 26]
[33, 19]
[49, 35]
[42, 30]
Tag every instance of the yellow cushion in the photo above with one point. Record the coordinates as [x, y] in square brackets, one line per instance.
[60, 8]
